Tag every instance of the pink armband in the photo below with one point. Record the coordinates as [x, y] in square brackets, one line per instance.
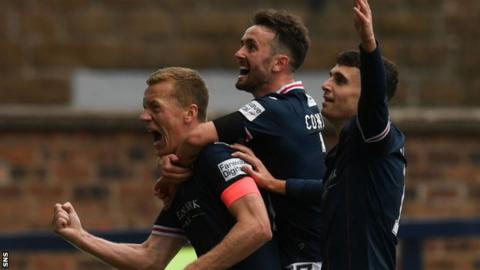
[237, 190]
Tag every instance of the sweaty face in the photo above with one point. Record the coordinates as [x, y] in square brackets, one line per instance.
[341, 93]
[163, 117]
[255, 58]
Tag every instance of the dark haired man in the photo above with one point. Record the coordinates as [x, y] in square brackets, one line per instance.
[364, 186]
[282, 124]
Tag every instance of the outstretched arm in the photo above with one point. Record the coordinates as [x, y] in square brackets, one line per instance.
[250, 232]
[154, 253]
[372, 120]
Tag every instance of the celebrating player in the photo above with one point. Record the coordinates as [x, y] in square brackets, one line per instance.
[282, 124]
[219, 210]
[364, 185]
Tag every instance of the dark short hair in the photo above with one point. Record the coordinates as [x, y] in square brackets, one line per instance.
[290, 32]
[352, 59]
[189, 87]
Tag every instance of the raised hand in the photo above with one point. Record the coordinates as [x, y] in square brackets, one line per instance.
[362, 17]
[65, 221]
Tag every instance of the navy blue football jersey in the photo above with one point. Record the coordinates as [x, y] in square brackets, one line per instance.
[198, 214]
[284, 130]
[364, 184]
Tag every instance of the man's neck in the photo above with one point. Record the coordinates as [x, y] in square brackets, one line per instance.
[274, 85]
[338, 125]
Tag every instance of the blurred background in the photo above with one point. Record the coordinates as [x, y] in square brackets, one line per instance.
[72, 76]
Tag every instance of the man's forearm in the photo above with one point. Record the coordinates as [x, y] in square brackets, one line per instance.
[121, 256]
[242, 240]
[306, 190]
[251, 231]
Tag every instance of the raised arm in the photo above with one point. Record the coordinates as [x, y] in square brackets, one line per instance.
[154, 253]
[250, 232]
[373, 120]
[362, 17]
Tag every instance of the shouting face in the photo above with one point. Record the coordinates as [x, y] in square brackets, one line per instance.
[255, 58]
[163, 117]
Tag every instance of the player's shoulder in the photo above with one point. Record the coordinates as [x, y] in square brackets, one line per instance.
[260, 107]
[215, 151]
[217, 157]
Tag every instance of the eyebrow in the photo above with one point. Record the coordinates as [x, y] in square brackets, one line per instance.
[248, 40]
[339, 75]
[147, 102]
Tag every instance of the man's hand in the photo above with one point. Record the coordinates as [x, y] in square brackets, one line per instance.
[362, 17]
[259, 172]
[170, 171]
[165, 191]
[65, 221]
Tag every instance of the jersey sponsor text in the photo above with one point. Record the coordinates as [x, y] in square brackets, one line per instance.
[231, 168]
[252, 110]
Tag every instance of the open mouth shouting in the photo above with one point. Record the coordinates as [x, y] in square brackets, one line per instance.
[243, 71]
[158, 141]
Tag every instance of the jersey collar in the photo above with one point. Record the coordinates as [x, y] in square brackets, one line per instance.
[288, 87]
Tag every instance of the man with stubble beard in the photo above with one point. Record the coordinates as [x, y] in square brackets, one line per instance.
[282, 124]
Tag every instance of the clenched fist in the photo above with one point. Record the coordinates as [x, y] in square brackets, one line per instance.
[65, 221]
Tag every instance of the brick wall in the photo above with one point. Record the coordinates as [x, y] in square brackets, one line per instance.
[104, 164]
[43, 42]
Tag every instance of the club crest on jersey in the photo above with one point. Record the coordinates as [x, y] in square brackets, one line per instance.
[252, 110]
[231, 168]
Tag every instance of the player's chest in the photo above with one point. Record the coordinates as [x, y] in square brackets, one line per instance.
[196, 207]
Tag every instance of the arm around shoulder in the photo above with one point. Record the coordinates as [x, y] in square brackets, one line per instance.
[199, 137]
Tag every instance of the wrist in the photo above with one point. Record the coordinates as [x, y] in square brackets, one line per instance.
[369, 45]
[79, 237]
[277, 186]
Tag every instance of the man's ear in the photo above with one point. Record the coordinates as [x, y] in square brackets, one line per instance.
[281, 63]
[191, 113]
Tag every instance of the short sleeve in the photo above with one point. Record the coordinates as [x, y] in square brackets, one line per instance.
[262, 117]
[230, 128]
[257, 118]
[167, 224]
